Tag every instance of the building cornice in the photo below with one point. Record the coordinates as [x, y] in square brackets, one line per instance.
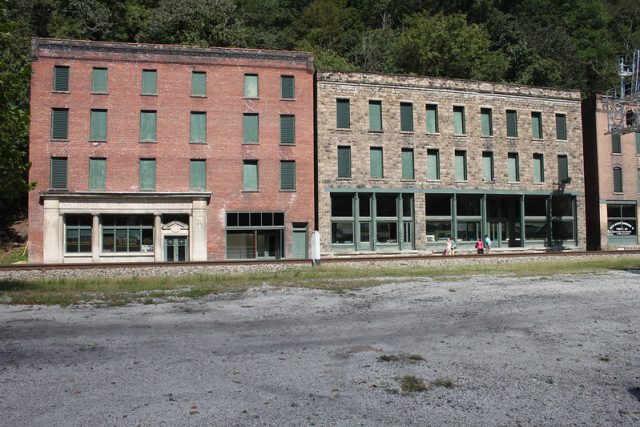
[121, 195]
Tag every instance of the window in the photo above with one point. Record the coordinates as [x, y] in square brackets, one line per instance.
[376, 162]
[638, 143]
[77, 233]
[197, 175]
[251, 86]
[486, 122]
[198, 133]
[433, 164]
[59, 173]
[287, 175]
[99, 80]
[60, 78]
[458, 120]
[198, 83]
[148, 126]
[536, 125]
[149, 82]
[512, 123]
[561, 127]
[97, 174]
[563, 169]
[538, 168]
[343, 114]
[461, 165]
[127, 233]
[487, 166]
[513, 167]
[250, 128]
[287, 87]
[407, 163]
[344, 162]
[287, 129]
[60, 123]
[375, 116]
[432, 118]
[617, 180]
[406, 117]
[616, 146]
[250, 175]
[147, 174]
[98, 125]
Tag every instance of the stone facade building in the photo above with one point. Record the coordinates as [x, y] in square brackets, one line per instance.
[152, 152]
[612, 180]
[404, 162]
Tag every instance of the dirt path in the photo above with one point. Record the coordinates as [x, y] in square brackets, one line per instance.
[562, 350]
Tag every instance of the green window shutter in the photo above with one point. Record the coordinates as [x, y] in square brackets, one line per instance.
[376, 166]
[616, 146]
[536, 125]
[250, 175]
[486, 125]
[538, 168]
[563, 169]
[59, 173]
[198, 83]
[148, 126]
[61, 78]
[343, 114]
[59, 123]
[487, 166]
[251, 86]
[638, 143]
[98, 125]
[617, 180]
[287, 87]
[512, 123]
[149, 82]
[433, 164]
[287, 175]
[99, 80]
[461, 165]
[344, 162]
[458, 120]
[250, 128]
[407, 164]
[432, 118]
[513, 169]
[375, 115]
[147, 174]
[287, 129]
[198, 127]
[197, 175]
[406, 117]
[561, 127]
[97, 174]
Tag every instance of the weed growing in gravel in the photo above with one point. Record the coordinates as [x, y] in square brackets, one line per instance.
[442, 382]
[415, 358]
[604, 358]
[411, 384]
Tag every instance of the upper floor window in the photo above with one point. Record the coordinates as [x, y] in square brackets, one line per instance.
[406, 117]
[433, 164]
[148, 174]
[198, 83]
[251, 86]
[58, 173]
[149, 82]
[617, 180]
[375, 116]
[97, 173]
[61, 78]
[98, 125]
[198, 129]
[538, 168]
[432, 118]
[561, 127]
[486, 122]
[250, 126]
[197, 174]
[376, 167]
[287, 129]
[343, 114]
[407, 164]
[60, 123]
[487, 166]
[250, 176]
[563, 169]
[616, 146]
[458, 120]
[287, 175]
[536, 125]
[148, 125]
[461, 165]
[344, 162]
[99, 79]
[512, 123]
[513, 167]
[287, 87]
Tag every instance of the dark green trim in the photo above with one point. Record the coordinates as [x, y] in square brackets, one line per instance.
[450, 191]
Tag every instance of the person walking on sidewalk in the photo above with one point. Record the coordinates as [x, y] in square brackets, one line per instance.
[487, 244]
[479, 246]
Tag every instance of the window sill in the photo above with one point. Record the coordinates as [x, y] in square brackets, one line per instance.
[513, 182]
[619, 193]
[343, 129]
[487, 136]
[406, 132]
[60, 140]
[512, 138]
[77, 254]
[460, 135]
[60, 91]
[250, 191]
[464, 181]
[432, 133]
[99, 93]
[562, 140]
[148, 94]
[616, 154]
[376, 131]
[537, 140]
[489, 181]
[287, 144]
[287, 191]
[287, 99]
[199, 96]
[434, 180]
[344, 178]
[148, 142]
[377, 179]
[198, 142]
[407, 179]
[98, 141]
[250, 143]
[125, 254]
[251, 98]
[539, 183]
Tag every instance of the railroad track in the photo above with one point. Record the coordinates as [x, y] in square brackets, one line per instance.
[332, 260]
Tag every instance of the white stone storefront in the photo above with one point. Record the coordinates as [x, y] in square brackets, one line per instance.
[87, 227]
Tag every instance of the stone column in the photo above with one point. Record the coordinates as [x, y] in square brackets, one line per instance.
[198, 230]
[51, 233]
[95, 238]
[157, 238]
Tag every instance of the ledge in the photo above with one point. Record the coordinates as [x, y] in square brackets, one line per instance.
[123, 195]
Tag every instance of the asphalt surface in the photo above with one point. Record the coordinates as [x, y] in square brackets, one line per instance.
[563, 350]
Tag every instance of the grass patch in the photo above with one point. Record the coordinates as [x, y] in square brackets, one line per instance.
[412, 384]
[442, 382]
[415, 358]
[337, 278]
[13, 255]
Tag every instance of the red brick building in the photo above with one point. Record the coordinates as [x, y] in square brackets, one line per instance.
[153, 152]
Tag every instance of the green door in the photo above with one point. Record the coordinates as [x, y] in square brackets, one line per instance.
[299, 243]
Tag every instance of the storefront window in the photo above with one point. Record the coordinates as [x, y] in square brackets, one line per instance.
[127, 233]
[342, 232]
[78, 233]
[387, 232]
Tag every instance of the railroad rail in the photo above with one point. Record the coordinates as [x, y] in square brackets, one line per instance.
[329, 260]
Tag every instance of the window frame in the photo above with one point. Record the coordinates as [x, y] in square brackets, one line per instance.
[430, 153]
[515, 157]
[292, 186]
[291, 85]
[56, 115]
[459, 111]
[94, 88]
[346, 150]
[149, 113]
[617, 180]
[375, 104]
[93, 163]
[284, 127]
[247, 119]
[406, 117]
[61, 79]
[200, 118]
[379, 162]
[538, 168]
[512, 118]
[145, 83]
[488, 113]
[149, 178]
[245, 176]
[408, 171]
[57, 162]
[195, 84]
[561, 127]
[539, 129]
[492, 177]
[94, 122]
[345, 109]
[249, 79]
[194, 182]
[436, 129]
[465, 168]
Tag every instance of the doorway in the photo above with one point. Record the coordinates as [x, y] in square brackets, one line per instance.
[175, 248]
[503, 221]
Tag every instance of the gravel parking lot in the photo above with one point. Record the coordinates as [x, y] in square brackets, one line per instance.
[562, 350]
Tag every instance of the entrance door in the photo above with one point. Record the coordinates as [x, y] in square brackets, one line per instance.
[503, 221]
[299, 243]
[175, 249]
